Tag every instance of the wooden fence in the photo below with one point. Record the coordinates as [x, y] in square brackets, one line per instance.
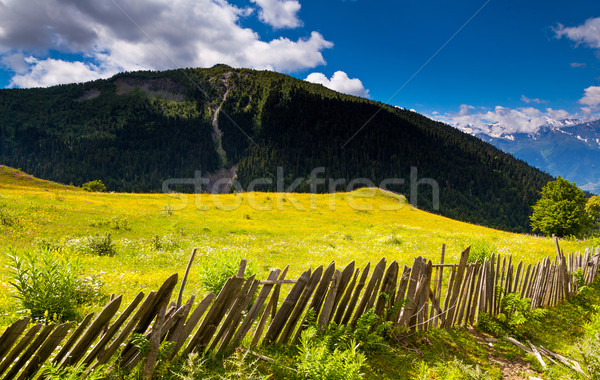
[249, 312]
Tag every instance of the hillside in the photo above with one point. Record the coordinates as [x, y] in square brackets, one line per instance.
[136, 130]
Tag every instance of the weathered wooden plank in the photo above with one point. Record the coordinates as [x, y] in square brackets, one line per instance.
[371, 287]
[234, 312]
[193, 320]
[33, 347]
[517, 278]
[415, 310]
[213, 318]
[424, 299]
[12, 334]
[45, 350]
[496, 298]
[456, 288]
[114, 328]
[177, 332]
[19, 347]
[286, 308]
[409, 307]
[439, 278]
[327, 308]
[154, 340]
[73, 338]
[344, 302]
[255, 309]
[478, 293]
[464, 295]
[356, 294]
[447, 298]
[91, 333]
[185, 276]
[482, 303]
[105, 356]
[301, 305]
[342, 286]
[388, 287]
[400, 295]
[271, 304]
[317, 301]
[525, 282]
[237, 316]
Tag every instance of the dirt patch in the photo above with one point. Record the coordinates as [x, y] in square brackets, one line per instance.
[92, 93]
[515, 369]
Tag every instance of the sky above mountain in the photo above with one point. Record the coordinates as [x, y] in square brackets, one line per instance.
[513, 64]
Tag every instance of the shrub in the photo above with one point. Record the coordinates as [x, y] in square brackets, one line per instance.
[7, 218]
[114, 223]
[216, 269]
[51, 287]
[101, 245]
[317, 361]
[95, 186]
[515, 317]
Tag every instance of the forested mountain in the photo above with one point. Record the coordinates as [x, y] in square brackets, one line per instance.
[136, 130]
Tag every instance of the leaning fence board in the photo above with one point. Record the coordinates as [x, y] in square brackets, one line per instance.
[456, 290]
[372, 287]
[388, 287]
[339, 314]
[12, 334]
[415, 274]
[400, 300]
[286, 308]
[301, 305]
[271, 304]
[356, 294]
[19, 347]
[73, 338]
[255, 309]
[45, 350]
[91, 333]
[33, 347]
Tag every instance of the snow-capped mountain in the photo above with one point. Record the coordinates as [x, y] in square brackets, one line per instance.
[568, 148]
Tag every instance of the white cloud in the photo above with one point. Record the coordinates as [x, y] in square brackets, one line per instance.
[502, 120]
[279, 13]
[588, 33]
[577, 65]
[171, 33]
[50, 72]
[340, 82]
[591, 97]
[528, 100]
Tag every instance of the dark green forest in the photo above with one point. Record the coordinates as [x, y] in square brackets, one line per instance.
[136, 130]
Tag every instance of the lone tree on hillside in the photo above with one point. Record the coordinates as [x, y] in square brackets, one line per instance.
[560, 210]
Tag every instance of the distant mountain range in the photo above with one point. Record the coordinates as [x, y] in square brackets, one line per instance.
[567, 148]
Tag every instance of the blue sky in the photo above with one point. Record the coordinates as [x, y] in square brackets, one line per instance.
[516, 63]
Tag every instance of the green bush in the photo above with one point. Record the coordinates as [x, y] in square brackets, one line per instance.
[480, 250]
[217, 268]
[51, 287]
[101, 245]
[317, 361]
[516, 317]
[95, 186]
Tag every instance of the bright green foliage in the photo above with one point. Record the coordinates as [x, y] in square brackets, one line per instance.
[95, 186]
[458, 370]
[560, 210]
[516, 317]
[216, 268]
[317, 361]
[592, 209]
[51, 287]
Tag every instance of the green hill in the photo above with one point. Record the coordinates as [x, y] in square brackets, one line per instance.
[136, 130]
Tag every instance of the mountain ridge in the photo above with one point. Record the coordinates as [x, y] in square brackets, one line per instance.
[136, 130]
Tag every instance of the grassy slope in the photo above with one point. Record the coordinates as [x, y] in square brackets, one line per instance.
[357, 227]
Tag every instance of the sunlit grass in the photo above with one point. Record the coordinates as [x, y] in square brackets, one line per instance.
[271, 230]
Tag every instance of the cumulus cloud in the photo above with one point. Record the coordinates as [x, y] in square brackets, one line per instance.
[591, 97]
[528, 100]
[503, 120]
[141, 34]
[340, 82]
[577, 65]
[587, 33]
[279, 13]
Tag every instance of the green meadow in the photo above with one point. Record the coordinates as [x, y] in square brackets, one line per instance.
[152, 235]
